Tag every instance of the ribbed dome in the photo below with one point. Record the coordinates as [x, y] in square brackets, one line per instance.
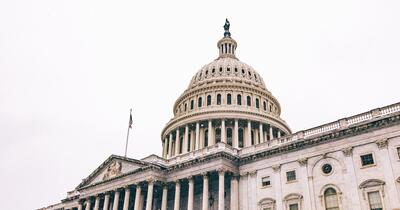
[227, 68]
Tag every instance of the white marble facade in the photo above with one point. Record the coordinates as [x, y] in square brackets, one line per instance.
[227, 148]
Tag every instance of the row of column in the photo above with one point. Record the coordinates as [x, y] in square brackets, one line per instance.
[234, 200]
[196, 137]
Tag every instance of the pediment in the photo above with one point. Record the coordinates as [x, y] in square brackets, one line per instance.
[113, 167]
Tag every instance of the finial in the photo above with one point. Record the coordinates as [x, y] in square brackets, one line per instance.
[226, 28]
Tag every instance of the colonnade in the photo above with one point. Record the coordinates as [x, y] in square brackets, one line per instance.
[238, 133]
[139, 204]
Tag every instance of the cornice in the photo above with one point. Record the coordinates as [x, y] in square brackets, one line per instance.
[328, 137]
[176, 122]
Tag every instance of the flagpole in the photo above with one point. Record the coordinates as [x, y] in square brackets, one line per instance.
[127, 134]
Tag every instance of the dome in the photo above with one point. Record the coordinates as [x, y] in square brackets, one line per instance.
[226, 102]
[227, 68]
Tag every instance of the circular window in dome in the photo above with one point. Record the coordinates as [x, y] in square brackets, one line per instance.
[327, 168]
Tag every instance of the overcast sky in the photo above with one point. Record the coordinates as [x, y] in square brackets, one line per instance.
[71, 70]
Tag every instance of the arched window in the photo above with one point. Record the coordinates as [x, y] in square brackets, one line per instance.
[240, 137]
[188, 142]
[208, 100]
[265, 106]
[257, 103]
[217, 135]
[239, 99]
[248, 101]
[206, 138]
[191, 104]
[219, 99]
[199, 102]
[229, 136]
[252, 137]
[331, 199]
[180, 144]
[229, 99]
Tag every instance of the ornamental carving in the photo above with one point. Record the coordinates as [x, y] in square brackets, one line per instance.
[382, 143]
[302, 161]
[113, 170]
[276, 168]
[347, 151]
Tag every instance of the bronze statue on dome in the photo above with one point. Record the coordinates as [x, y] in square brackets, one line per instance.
[227, 33]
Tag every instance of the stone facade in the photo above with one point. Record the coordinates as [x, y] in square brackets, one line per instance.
[228, 148]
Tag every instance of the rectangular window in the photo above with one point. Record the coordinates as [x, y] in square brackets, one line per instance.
[374, 199]
[367, 159]
[294, 206]
[291, 176]
[266, 181]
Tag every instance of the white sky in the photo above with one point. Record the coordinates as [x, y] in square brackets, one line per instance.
[70, 71]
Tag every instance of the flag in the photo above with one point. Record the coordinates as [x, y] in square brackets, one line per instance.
[130, 120]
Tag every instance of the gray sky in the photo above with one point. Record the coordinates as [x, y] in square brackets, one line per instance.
[70, 71]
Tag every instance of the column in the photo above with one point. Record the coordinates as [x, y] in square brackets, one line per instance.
[279, 134]
[235, 192]
[164, 197]
[163, 148]
[149, 203]
[186, 139]
[170, 146]
[236, 134]
[177, 142]
[210, 140]
[97, 203]
[261, 132]
[192, 139]
[106, 201]
[137, 196]
[271, 133]
[201, 145]
[190, 193]
[248, 140]
[205, 191]
[88, 204]
[126, 199]
[221, 189]
[116, 199]
[177, 194]
[278, 188]
[223, 131]
[197, 135]
[80, 206]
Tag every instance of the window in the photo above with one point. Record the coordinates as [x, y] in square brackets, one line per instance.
[191, 104]
[266, 181]
[239, 99]
[219, 99]
[248, 101]
[208, 100]
[374, 200]
[291, 175]
[331, 199]
[229, 99]
[327, 168]
[217, 135]
[294, 206]
[199, 102]
[241, 137]
[229, 136]
[265, 106]
[185, 107]
[398, 152]
[206, 138]
[257, 103]
[367, 159]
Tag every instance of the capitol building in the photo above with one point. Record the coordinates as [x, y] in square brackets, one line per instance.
[227, 147]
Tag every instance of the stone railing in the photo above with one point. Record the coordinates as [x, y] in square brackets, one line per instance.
[319, 130]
